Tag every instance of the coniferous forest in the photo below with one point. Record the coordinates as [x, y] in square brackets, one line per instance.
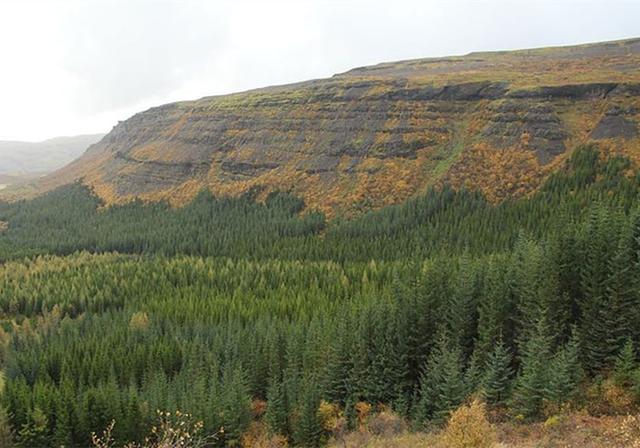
[239, 311]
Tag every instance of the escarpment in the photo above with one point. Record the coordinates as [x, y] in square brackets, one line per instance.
[498, 122]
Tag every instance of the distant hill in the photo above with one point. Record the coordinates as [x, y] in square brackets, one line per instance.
[496, 122]
[20, 160]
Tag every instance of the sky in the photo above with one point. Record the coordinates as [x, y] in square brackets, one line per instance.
[78, 66]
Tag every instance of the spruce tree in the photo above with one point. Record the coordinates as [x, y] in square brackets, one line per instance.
[498, 375]
[625, 364]
[531, 382]
[235, 404]
[307, 431]
[565, 373]
[442, 388]
[277, 415]
[34, 433]
[597, 237]
[6, 432]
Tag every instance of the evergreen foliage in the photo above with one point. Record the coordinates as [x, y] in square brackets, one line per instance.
[113, 314]
[496, 384]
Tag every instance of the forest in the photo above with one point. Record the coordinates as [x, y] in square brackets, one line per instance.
[240, 313]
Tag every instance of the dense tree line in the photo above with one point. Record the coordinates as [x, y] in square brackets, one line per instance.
[440, 221]
[416, 306]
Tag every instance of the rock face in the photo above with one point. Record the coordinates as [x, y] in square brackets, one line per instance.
[377, 135]
[615, 124]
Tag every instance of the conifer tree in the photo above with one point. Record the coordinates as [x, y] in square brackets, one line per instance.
[34, 433]
[531, 382]
[625, 364]
[595, 273]
[6, 432]
[235, 405]
[277, 415]
[564, 372]
[498, 375]
[621, 300]
[442, 387]
[308, 428]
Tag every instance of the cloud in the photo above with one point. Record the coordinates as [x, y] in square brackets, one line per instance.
[122, 52]
[78, 66]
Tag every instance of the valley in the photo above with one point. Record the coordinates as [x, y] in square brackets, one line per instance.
[437, 252]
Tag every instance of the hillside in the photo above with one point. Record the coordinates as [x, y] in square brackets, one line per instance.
[407, 311]
[22, 161]
[498, 122]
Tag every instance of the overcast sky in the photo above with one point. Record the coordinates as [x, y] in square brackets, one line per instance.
[79, 66]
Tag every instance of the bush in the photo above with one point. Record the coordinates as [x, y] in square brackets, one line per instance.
[468, 427]
[139, 321]
[609, 398]
[386, 424]
[258, 436]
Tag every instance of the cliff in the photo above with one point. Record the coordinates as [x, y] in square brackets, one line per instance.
[498, 122]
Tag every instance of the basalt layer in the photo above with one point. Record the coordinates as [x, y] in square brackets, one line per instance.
[497, 122]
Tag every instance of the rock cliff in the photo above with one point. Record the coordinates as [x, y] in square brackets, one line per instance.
[498, 122]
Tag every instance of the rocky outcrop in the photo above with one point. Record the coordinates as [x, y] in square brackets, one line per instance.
[535, 126]
[616, 123]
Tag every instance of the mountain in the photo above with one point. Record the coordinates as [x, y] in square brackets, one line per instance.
[497, 122]
[19, 158]
[472, 317]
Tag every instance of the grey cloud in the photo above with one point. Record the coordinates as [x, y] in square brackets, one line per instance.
[126, 52]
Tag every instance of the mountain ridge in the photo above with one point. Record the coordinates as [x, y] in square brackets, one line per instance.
[497, 122]
[38, 157]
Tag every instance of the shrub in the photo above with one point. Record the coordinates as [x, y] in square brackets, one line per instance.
[172, 430]
[468, 427]
[139, 321]
[258, 436]
[363, 410]
[386, 424]
[609, 398]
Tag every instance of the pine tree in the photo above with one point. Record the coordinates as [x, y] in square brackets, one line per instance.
[494, 309]
[565, 373]
[442, 388]
[308, 429]
[235, 405]
[461, 308]
[595, 273]
[621, 300]
[625, 364]
[498, 375]
[6, 432]
[531, 383]
[35, 432]
[277, 415]
[63, 429]
[338, 366]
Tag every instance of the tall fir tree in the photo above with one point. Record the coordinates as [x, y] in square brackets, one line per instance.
[565, 373]
[443, 387]
[498, 375]
[531, 382]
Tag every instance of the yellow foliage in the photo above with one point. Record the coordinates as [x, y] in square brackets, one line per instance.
[363, 410]
[330, 415]
[139, 321]
[257, 436]
[468, 427]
